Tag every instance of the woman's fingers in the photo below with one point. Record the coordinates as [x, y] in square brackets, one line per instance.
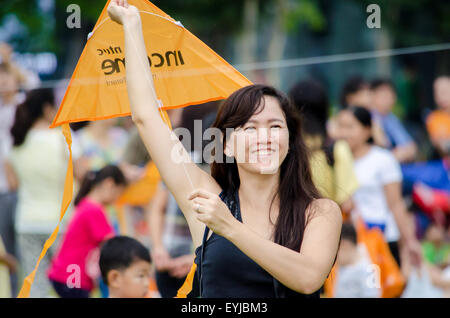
[201, 201]
[200, 193]
[200, 205]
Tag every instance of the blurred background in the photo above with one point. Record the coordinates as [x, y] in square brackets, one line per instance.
[274, 41]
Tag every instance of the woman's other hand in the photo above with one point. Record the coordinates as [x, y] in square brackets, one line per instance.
[120, 11]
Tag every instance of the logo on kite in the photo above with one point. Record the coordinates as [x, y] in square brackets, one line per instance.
[112, 65]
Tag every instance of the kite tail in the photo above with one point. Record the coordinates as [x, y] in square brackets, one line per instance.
[67, 198]
[188, 283]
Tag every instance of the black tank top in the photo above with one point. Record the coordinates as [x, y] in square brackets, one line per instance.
[224, 271]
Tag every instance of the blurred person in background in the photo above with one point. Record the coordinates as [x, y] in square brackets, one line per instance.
[102, 142]
[26, 79]
[399, 140]
[438, 122]
[429, 182]
[378, 199]
[436, 246]
[37, 166]
[10, 97]
[356, 92]
[331, 161]
[87, 229]
[135, 152]
[8, 266]
[434, 278]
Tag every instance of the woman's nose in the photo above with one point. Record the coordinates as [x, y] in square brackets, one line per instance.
[263, 135]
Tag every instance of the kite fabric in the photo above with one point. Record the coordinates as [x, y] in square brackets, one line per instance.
[185, 72]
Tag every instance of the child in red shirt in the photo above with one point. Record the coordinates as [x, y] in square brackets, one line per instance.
[88, 228]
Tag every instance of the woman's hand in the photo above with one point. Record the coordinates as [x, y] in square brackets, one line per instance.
[212, 211]
[120, 11]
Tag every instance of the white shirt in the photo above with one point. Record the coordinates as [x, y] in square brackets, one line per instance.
[373, 171]
[40, 164]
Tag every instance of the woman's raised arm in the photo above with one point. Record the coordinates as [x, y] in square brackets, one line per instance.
[162, 144]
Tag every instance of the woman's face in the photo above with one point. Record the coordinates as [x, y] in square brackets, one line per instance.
[351, 130]
[262, 143]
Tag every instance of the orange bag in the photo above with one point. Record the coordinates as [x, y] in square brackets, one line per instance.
[391, 279]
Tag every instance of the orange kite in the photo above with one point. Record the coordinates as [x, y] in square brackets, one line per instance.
[185, 72]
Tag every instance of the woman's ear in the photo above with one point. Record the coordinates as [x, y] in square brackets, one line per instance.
[229, 149]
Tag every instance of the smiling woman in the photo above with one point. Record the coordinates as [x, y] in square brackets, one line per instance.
[272, 235]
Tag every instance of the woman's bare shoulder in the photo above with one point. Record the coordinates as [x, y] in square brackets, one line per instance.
[324, 208]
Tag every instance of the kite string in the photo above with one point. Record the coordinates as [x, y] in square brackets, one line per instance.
[163, 112]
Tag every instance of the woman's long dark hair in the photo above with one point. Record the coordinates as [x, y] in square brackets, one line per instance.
[29, 111]
[92, 178]
[296, 189]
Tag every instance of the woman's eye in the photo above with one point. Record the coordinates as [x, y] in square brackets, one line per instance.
[275, 126]
[249, 128]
